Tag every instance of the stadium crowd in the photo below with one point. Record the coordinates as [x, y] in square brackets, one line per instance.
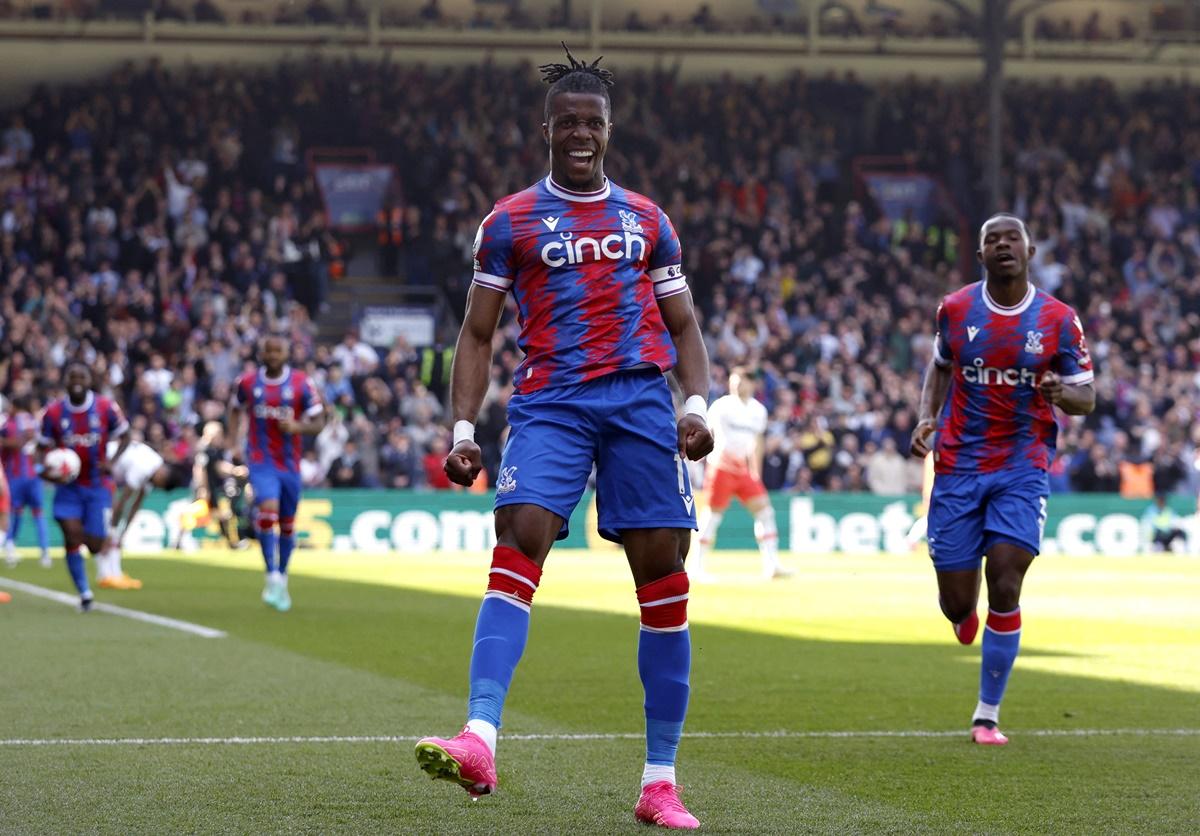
[836, 18]
[157, 223]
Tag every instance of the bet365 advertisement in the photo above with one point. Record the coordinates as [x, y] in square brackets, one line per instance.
[384, 521]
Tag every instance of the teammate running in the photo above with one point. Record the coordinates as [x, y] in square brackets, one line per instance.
[281, 405]
[739, 421]
[604, 310]
[1004, 356]
[18, 449]
[84, 422]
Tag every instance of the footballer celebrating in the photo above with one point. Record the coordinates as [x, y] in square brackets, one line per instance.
[1005, 354]
[604, 310]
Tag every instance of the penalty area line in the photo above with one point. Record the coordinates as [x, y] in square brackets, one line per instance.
[385, 738]
[113, 609]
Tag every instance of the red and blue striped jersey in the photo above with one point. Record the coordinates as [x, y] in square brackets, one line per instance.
[994, 417]
[267, 401]
[86, 429]
[18, 461]
[586, 271]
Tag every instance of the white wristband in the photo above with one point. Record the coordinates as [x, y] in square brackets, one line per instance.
[696, 405]
[463, 431]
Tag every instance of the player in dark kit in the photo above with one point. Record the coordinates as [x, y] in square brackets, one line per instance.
[604, 311]
[1005, 355]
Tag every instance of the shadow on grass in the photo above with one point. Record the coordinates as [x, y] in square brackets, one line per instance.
[579, 671]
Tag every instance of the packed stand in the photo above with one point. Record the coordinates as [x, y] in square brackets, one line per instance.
[878, 19]
[166, 221]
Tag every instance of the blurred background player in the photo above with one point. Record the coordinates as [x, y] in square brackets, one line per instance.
[605, 311]
[280, 404]
[84, 422]
[739, 423]
[135, 472]
[1005, 354]
[219, 482]
[1161, 526]
[5, 508]
[18, 449]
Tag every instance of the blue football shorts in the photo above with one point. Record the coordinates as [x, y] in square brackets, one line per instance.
[26, 492]
[624, 423]
[970, 512]
[92, 505]
[269, 483]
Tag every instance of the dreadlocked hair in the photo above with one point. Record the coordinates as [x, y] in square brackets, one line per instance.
[576, 77]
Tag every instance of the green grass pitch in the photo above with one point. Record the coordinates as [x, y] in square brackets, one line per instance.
[377, 647]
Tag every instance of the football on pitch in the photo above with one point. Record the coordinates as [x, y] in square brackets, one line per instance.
[62, 464]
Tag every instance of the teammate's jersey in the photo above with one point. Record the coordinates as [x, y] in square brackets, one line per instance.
[587, 271]
[736, 426]
[86, 429]
[994, 418]
[18, 461]
[267, 402]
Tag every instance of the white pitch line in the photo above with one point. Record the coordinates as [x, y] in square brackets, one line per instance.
[113, 609]
[797, 735]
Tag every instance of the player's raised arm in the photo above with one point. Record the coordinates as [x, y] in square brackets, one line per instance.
[691, 369]
[469, 377]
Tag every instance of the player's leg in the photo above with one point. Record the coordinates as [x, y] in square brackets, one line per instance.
[656, 557]
[644, 500]
[754, 496]
[132, 503]
[13, 529]
[227, 520]
[6, 501]
[97, 531]
[107, 573]
[69, 511]
[547, 461]
[524, 535]
[1016, 514]
[955, 536]
[36, 501]
[265, 482]
[289, 501]
[720, 493]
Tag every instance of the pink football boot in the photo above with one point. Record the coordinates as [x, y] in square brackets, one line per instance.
[464, 759]
[987, 737]
[660, 805]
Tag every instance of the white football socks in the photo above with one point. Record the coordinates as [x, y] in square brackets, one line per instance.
[486, 731]
[657, 772]
[768, 539]
[983, 711]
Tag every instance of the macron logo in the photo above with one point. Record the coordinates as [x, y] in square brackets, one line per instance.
[551, 223]
[971, 332]
[687, 503]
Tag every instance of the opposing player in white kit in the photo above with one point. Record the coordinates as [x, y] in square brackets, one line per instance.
[139, 469]
[738, 422]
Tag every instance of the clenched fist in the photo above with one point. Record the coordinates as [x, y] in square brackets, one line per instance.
[463, 463]
[695, 438]
[922, 437]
